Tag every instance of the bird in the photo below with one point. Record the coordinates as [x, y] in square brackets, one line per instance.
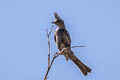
[63, 40]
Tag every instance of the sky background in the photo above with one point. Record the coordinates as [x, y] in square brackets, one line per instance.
[23, 41]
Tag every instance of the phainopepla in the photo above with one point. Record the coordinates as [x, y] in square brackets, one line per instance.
[62, 40]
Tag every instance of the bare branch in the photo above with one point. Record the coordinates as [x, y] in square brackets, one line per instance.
[49, 64]
[77, 46]
[51, 30]
[49, 67]
[48, 36]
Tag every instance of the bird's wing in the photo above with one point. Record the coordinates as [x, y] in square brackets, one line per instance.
[67, 38]
[62, 39]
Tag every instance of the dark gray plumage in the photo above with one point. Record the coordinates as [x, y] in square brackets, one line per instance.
[62, 40]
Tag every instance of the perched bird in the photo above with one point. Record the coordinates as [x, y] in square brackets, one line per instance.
[62, 40]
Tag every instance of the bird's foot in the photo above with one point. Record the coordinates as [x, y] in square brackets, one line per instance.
[61, 52]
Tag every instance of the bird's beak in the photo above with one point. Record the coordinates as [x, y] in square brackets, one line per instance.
[53, 22]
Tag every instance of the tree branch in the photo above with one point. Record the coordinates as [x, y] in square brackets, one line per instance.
[49, 67]
[77, 46]
[48, 36]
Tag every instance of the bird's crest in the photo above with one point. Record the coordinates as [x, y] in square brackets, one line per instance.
[56, 15]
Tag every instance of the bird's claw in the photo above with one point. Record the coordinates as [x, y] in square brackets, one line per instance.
[61, 52]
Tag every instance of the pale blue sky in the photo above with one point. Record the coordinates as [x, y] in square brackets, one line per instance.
[23, 41]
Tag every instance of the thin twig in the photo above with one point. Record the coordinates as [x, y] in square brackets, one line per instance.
[77, 46]
[54, 57]
[48, 36]
[49, 64]
[51, 30]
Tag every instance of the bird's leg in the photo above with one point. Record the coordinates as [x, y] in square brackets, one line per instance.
[66, 56]
[65, 52]
[62, 51]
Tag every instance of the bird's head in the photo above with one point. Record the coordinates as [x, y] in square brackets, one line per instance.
[58, 21]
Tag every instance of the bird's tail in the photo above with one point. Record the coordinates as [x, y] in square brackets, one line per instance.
[84, 69]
